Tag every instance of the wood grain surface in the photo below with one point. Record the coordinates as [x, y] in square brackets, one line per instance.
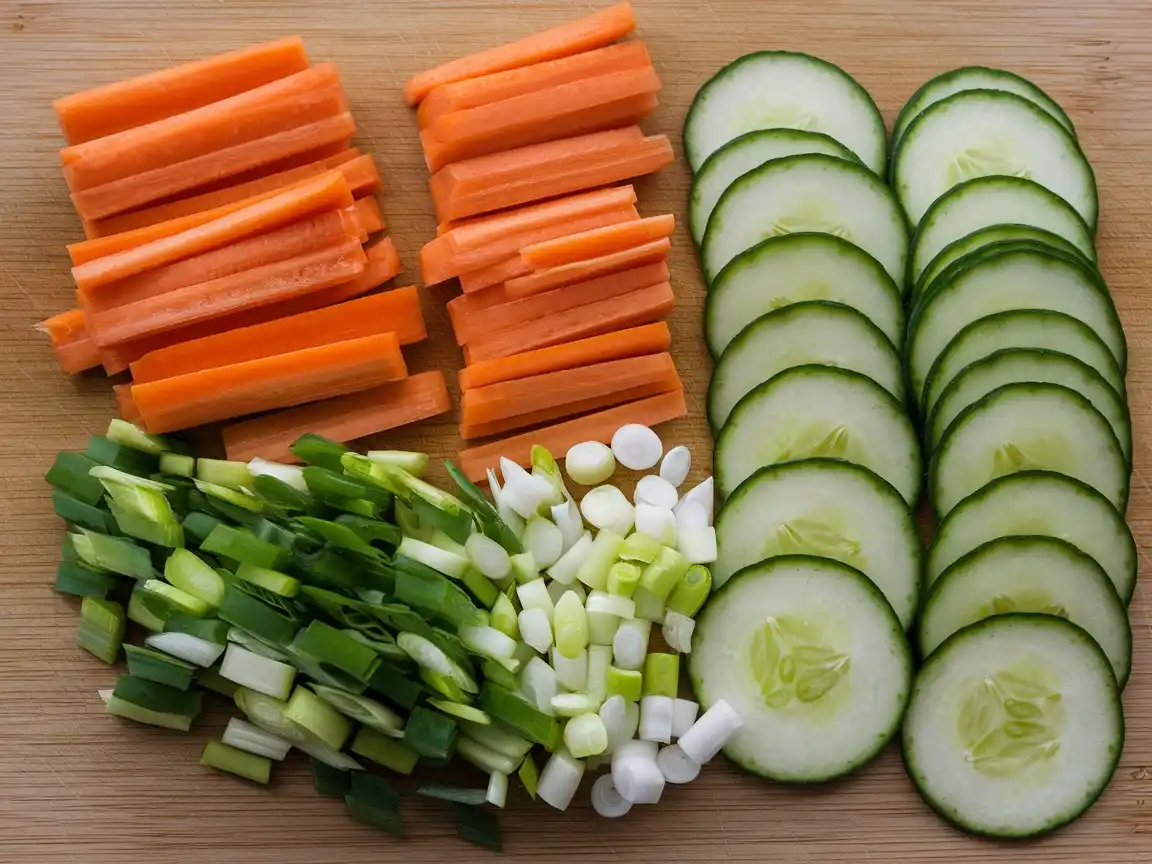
[79, 787]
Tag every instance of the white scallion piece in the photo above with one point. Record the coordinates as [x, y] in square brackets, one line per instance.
[442, 560]
[599, 659]
[199, 652]
[566, 515]
[252, 739]
[534, 595]
[293, 475]
[602, 628]
[614, 713]
[648, 605]
[511, 518]
[635, 749]
[572, 672]
[489, 557]
[589, 463]
[677, 630]
[262, 674]
[328, 755]
[544, 540]
[105, 695]
[559, 780]
[697, 545]
[525, 493]
[675, 766]
[607, 507]
[630, 644]
[684, 713]
[656, 719]
[638, 779]
[710, 732]
[585, 735]
[564, 571]
[412, 462]
[704, 494]
[690, 516]
[556, 590]
[636, 447]
[497, 794]
[535, 629]
[675, 465]
[491, 643]
[573, 705]
[610, 604]
[656, 522]
[655, 490]
[540, 686]
[570, 625]
[606, 801]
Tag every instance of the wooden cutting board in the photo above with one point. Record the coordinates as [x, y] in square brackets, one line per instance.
[79, 787]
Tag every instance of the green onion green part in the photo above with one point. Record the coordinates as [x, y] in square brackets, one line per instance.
[162, 668]
[101, 629]
[431, 734]
[384, 750]
[691, 591]
[220, 756]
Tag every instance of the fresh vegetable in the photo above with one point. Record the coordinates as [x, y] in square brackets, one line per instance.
[581, 271]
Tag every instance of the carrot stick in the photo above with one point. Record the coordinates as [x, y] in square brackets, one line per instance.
[125, 404]
[296, 160]
[499, 86]
[568, 274]
[149, 187]
[368, 211]
[313, 196]
[343, 419]
[601, 426]
[65, 327]
[517, 404]
[395, 311]
[113, 108]
[78, 355]
[268, 383]
[360, 172]
[635, 342]
[598, 242]
[593, 31]
[628, 310]
[75, 350]
[494, 274]
[474, 319]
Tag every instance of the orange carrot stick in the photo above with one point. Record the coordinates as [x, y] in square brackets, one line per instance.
[125, 404]
[271, 382]
[494, 274]
[628, 310]
[601, 426]
[313, 196]
[368, 211]
[65, 327]
[113, 108]
[474, 317]
[139, 190]
[568, 274]
[593, 31]
[598, 242]
[343, 419]
[395, 311]
[635, 342]
[499, 86]
[75, 350]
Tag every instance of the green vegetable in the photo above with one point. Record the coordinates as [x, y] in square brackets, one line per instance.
[269, 580]
[497, 737]
[247, 765]
[374, 790]
[524, 568]
[603, 554]
[107, 452]
[394, 686]
[220, 472]
[484, 757]
[406, 460]
[665, 573]
[508, 707]
[278, 494]
[129, 435]
[149, 665]
[188, 573]
[101, 630]
[130, 711]
[642, 548]
[316, 718]
[491, 525]
[76, 512]
[149, 610]
[197, 525]
[69, 474]
[84, 581]
[246, 612]
[331, 649]
[158, 697]
[384, 750]
[384, 819]
[372, 530]
[112, 553]
[661, 674]
[478, 826]
[570, 624]
[353, 614]
[456, 794]
[503, 617]
[162, 533]
[691, 591]
[239, 499]
[211, 679]
[433, 595]
[529, 775]
[178, 600]
[369, 712]
[330, 782]
[480, 587]
[623, 578]
[209, 629]
[318, 450]
[243, 546]
[625, 682]
[430, 733]
[175, 463]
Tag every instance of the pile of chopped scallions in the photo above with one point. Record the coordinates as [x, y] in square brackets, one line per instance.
[356, 612]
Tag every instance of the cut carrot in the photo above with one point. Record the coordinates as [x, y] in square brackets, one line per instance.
[598, 242]
[271, 382]
[628, 310]
[65, 327]
[475, 461]
[312, 196]
[493, 275]
[159, 184]
[473, 92]
[395, 311]
[593, 31]
[568, 274]
[75, 350]
[475, 316]
[229, 294]
[525, 402]
[125, 404]
[360, 172]
[368, 211]
[635, 342]
[113, 108]
[343, 419]
[78, 355]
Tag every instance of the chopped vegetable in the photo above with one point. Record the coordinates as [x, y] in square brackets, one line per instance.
[710, 732]
[625, 682]
[683, 716]
[101, 630]
[159, 667]
[258, 673]
[606, 801]
[242, 735]
[560, 780]
[197, 651]
[635, 774]
[431, 734]
[331, 782]
[316, 718]
[677, 631]
[384, 750]
[676, 766]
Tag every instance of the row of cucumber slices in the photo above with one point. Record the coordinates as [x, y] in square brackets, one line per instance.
[966, 295]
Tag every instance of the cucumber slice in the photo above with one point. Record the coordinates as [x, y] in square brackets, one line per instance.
[1038, 503]
[958, 745]
[797, 267]
[783, 89]
[975, 78]
[1029, 574]
[812, 659]
[1014, 365]
[819, 411]
[1041, 329]
[995, 200]
[807, 193]
[1027, 426]
[977, 133]
[1009, 279]
[741, 155]
[814, 332]
[829, 508]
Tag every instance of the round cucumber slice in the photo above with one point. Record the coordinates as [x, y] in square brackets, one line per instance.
[995, 200]
[1014, 365]
[1029, 574]
[963, 747]
[741, 155]
[1041, 329]
[1038, 503]
[975, 78]
[807, 193]
[1021, 427]
[812, 332]
[824, 507]
[811, 411]
[793, 268]
[1008, 279]
[783, 89]
[813, 660]
[978, 133]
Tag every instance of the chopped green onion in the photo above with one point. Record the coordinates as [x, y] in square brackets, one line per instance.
[331, 649]
[491, 643]
[163, 669]
[373, 790]
[571, 672]
[575, 704]
[432, 657]
[316, 718]
[434, 506]
[240, 499]
[209, 629]
[372, 530]
[318, 450]
[269, 580]
[648, 605]
[101, 630]
[220, 472]
[585, 735]
[503, 617]
[677, 631]
[211, 679]
[488, 556]
[508, 707]
[438, 559]
[497, 792]
[158, 697]
[269, 714]
[529, 775]
[430, 733]
[180, 600]
[535, 629]
[600, 558]
[338, 535]
[455, 794]
[560, 780]
[196, 651]
[407, 460]
[162, 533]
[178, 464]
[565, 570]
[243, 610]
[691, 591]
[328, 755]
[242, 545]
[544, 540]
[611, 604]
[148, 610]
[112, 553]
[129, 435]
[442, 541]
[665, 573]
[625, 682]
[130, 711]
[385, 820]
[199, 525]
[524, 568]
[220, 756]
[433, 595]
[460, 711]
[534, 595]
[384, 645]
[493, 671]
[474, 825]
[369, 712]
[640, 548]
[257, 646]
[623, 579]
[280, 494]
[480, 587]
[191, 575]
[602, 628]
[661, 674]
[394, 686]
[77, 512]
[252, 739]
[288, 475]
[107, 452]
[497, 737]
[262, 674]
[69, 474]
[84, 581]
[384, 750]
[570, 623]
[330, 782]
[599, 659]
[325, 483]
[409, 522]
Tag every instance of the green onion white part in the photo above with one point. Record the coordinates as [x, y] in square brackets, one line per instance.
[675, 465]
[708, 735]
[676, 766]
[656, 522]
[544, 540]
[684, 713]
[525, 493]
[637, 447]
[589, 463]
[571, 672]
[630, 643]
[566, 515]
[258, 673]
[497, 792]
[656, 718]
[606, 507]
[488, 556]
[677, 630]
[293, 475]
[568, 566]
[245, 736]
[606, 801]
[635, 774]
[190, 648]
[585, 735]
[559, 780]
[703, 494]
[654, 490]
[540, 685]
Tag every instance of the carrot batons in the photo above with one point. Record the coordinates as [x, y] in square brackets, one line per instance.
[368, 212]
[344, 418]
[75, 350]
[281, 381]
[127, 104]
[495, 274]
[125, 404]
[593, 31]
[568, 274]
[601, 426]
[597, 242]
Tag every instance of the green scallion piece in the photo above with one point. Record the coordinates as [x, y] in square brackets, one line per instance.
[352, 614]
[384, 819]
[480, 587]
[132, 524]
[399, 618]
[238, 498]
[455, 794]
[220, 756]
[623, 578]
[211, 679]
[325, 483]
[408, 460]
[386, 647]
[101, 629]
[372, 530]
[512, 710]
[369, 712]
[603, 553]
[529, 775]
[628, 683]
[663, 574]
[393, 685]
[318, 450]
[434, 506]
[197, 526]
[221, 472]
[691, 591]
[76, 512]
[281, 495]
[430, 733]
[162, 668]
[158, 697]
[209, 629]
[354, 506]
[477, 826]
[330, 782]
[338, 535]
[497, 737]
[177, 464]
[105, 451]
[491, 525]
[484, 757]
[149, 610]
[69, 474]
[433, 595]
[223, 510]
[384, 750]
[241, 609]
[188, 573]
[493, 671]
[316, 718]
[180, 600]
[139, 714]
[80, 580]
[112, 553]
[129, 435]
[328, 647]
[269, 580]
[242, 545]
[661, 674]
